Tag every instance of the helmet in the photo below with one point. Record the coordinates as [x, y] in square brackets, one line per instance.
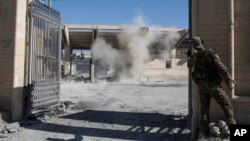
[197, 43]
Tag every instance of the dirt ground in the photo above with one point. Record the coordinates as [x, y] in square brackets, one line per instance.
[152, 111]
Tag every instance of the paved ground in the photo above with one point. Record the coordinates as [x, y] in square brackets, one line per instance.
[154, 111]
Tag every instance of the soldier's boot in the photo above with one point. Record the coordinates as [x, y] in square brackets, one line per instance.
[230, 120]
[204, 128]
[228, 112]
[204, 124]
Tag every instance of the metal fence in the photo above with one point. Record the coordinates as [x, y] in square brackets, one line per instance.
[44, 53]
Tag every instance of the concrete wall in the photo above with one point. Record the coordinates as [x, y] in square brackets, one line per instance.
[12, 56]
[242, 44]
[212, 21]
[242, 60]
[212, 26]
[7, 37]
[157, 69]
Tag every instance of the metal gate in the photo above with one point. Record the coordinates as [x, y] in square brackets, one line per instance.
[43, 56]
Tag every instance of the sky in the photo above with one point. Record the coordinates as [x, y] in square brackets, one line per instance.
[163, 13]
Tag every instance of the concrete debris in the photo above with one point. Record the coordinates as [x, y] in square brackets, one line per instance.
[4, 131]
[3, 135]
[215, 131]
[83, 77]
[225, 132]
[219, 129]
[13, 127]
[50, 113]
[77, 78]
[42, 116]
[211, 124]
[9, 128]
[46, 117]
[144, 79]
[221, 124]
[62, 107]
[122, 106]
[69, 105]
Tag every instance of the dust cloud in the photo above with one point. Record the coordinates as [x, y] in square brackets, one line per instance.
[135, 44]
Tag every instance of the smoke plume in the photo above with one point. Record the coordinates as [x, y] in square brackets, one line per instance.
[134, 52]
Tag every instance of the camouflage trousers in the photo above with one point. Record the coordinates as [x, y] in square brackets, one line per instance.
[206, 93]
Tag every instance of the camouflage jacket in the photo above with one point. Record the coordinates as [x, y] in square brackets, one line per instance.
[207, 69]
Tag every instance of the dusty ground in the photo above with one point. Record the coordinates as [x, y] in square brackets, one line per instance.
[154, 111]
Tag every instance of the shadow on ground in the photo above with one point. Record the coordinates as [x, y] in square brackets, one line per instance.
[139, 126]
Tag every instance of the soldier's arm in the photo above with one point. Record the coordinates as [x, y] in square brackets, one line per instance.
[191, 61]
[224, 71]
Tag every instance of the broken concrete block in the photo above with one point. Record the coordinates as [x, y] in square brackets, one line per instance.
[69, 105]
[225, 132]
[46, 117]
[221, 124]
[211, 125]
[144, 79]
[63, 106]
[12, 127]
[215, 131]
[19, 129]
[4, 131]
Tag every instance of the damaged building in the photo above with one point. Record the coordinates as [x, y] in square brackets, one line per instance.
[77, 58]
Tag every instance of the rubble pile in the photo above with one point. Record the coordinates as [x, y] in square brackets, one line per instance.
[219, 129]
[83, 77]
[50, 113]
[16, 127]
[9, 128]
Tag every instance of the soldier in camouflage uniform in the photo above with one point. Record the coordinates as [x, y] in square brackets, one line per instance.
[208, 72]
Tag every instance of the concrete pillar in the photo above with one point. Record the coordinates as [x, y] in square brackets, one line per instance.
[195, 96]
[92, 73]
[173, 53]
[12, 56]
[92, 67]
[67, 49]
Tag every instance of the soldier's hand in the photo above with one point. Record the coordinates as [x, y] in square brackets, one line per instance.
[232, 80]
[229, 85]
